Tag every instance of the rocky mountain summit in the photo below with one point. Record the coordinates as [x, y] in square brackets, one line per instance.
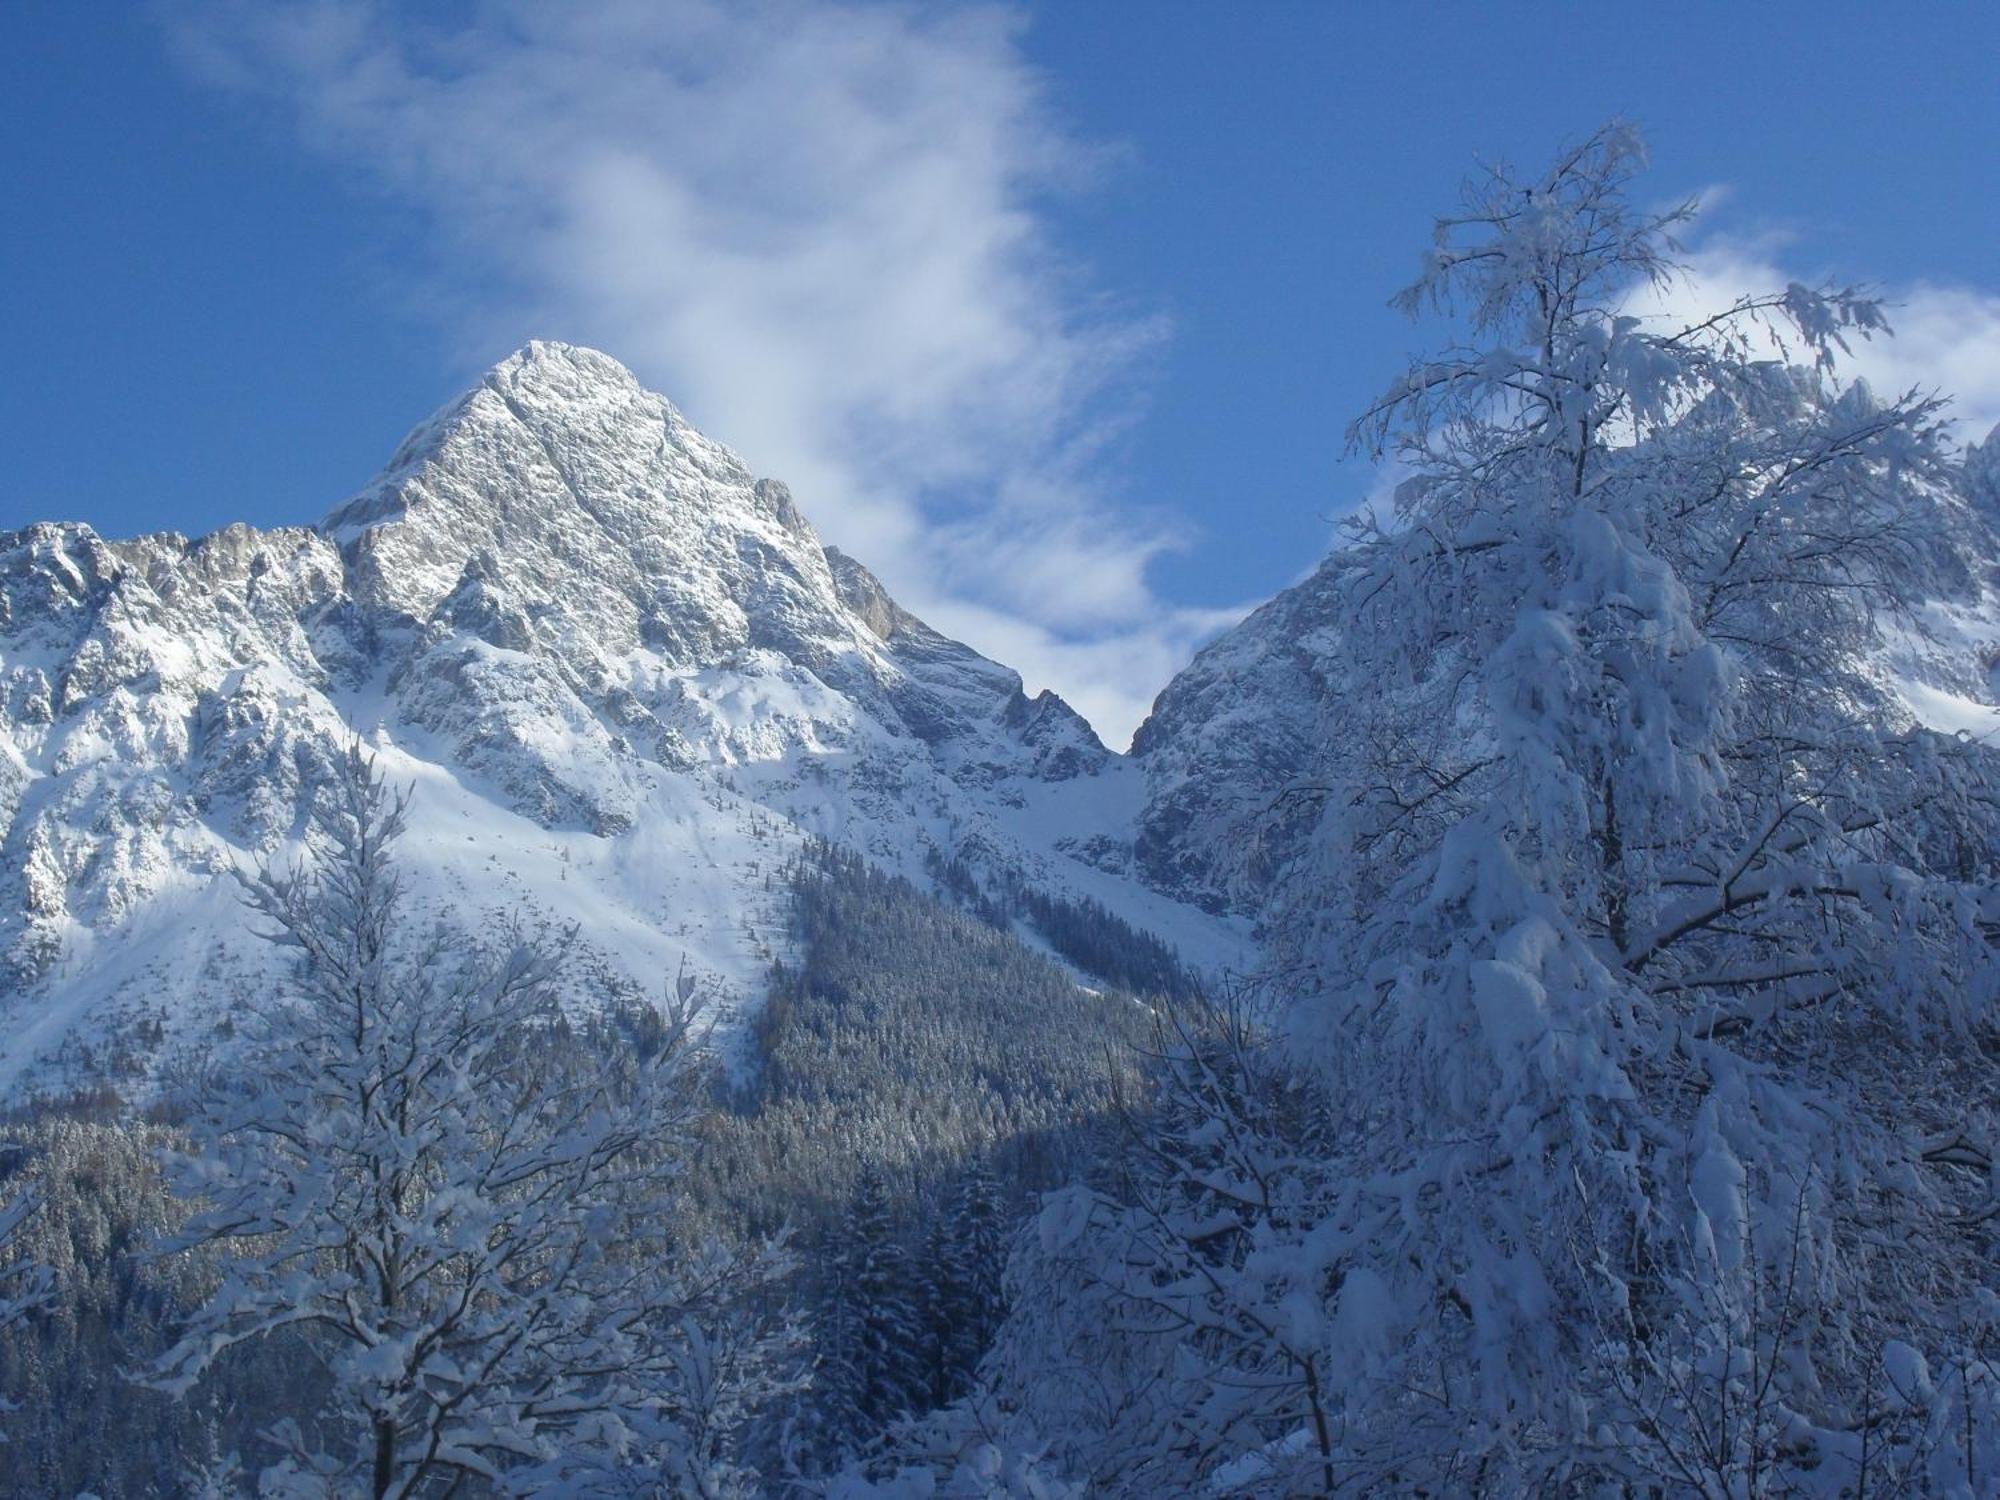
[619, 671]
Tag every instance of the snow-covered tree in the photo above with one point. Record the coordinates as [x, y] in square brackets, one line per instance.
[1637, 1127]
[471, 1217]
[1672, 985]
[24, 1283]
[1169, 1329]
[958, 1453]
[964, 1298]
[872, 1368]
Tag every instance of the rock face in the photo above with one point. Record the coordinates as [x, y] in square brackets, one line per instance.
[619, 671]
[1230, 742]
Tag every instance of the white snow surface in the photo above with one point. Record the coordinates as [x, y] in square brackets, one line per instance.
[619, 674]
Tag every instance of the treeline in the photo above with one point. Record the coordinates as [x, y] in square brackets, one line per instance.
[912, 1037]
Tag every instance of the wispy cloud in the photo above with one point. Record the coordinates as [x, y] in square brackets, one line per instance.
[821, 229]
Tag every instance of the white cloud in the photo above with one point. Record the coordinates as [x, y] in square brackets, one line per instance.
[817, 228]
[1946, 338]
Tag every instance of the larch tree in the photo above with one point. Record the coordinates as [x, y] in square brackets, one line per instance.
[472, 1218]
[1672, 984]
[1635, 1124]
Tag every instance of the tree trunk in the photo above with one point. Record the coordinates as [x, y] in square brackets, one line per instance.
[385, 1456]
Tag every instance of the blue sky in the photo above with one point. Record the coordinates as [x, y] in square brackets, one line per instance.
[1053, 314]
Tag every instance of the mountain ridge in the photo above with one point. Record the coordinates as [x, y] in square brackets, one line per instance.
[620, 671]
[628, 682]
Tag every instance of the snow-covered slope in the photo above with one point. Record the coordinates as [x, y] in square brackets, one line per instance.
[620, 672]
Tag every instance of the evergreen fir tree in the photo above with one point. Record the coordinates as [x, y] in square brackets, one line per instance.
[873, 1339]
[939, 1303]
[836, 1423]
[891, 1341]
[970, 1306]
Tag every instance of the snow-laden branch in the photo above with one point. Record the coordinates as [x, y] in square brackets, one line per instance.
[417, 1165]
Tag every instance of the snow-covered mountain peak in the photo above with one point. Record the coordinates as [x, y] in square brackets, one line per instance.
[562, 392]
[556, 365]
[620, 670]
[590, 511]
